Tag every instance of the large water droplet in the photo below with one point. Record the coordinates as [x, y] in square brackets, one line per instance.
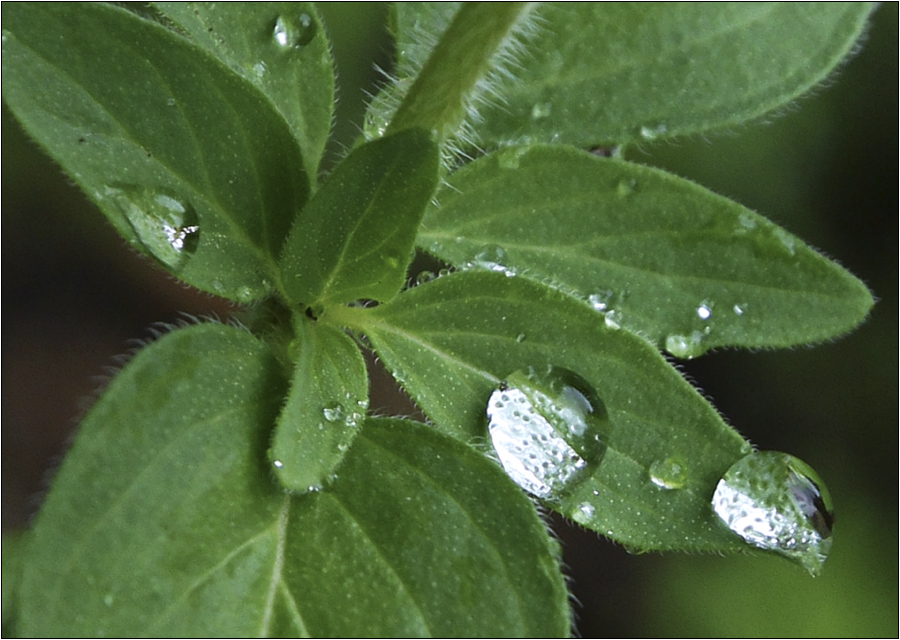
[291, 32]
[776, 502]
[548, 429]
[492, 258]
[165, 225]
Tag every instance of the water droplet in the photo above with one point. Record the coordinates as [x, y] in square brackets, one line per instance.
[776, 502]
[491, 258]
[171, 102]
[584, 514]
[260, 69]
[293, 32]
[626, 187]
[425, 276]
[245, 294]
[108, 599]
[333, 413]
[541, 110]
[739, 309]
[166, 226]
[520, 338]
[668, 474]
[601, 301]
[704, 311]
[787, 240]
[278, 464]
[686, 346]
[746, 222]
[652, 132]
[613, 319]
[547, 428]
[509, 158]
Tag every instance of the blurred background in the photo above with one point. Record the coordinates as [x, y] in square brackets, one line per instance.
[75, 296]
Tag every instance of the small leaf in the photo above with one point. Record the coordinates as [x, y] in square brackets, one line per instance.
[613, 73]
[278, 46]
[456, 340]
[660, 256]
[324, 408]
[164, 521]
[356, 237]
[190, 162]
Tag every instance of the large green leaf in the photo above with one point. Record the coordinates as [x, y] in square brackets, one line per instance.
[661, 256]
[278, 46]
[355, 239]
[613, 73]
[324, 408]
[165, 520]
[454, 341]
[188, 160]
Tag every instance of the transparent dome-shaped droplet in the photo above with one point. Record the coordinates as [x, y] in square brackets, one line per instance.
[291, 32]
[548, 428]
[541, 110]
[776, 502]
[686, 346]
[613, 319]
[652, 132]
[704, 311]
[333, 413]
[668, 473]
[491, 258]
[165, 225]
[601, 300]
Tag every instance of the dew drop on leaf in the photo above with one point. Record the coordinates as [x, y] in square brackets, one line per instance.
[491, 258]
[652, 132]
[704, 311]
[166, 226]
[294, 31]
[540, 110]
[686, 346]
[776, 502]
[548, 428]
[668, 473]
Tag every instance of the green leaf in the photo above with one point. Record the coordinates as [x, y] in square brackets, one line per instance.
[14, 549]
[164, 521]
[356, 237]
[613, 73]
[661, 256]
[449, 82]
[324, 408]
[453, 341]
[189, 161]
[278, 46]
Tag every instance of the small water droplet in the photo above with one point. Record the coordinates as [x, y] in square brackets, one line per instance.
[333, 413]
[509, 158]
[491, 258]
[739, 309]
[601, 301]
[520, 338]
[245, 294]
[613, 319]
[668, 474]
[548, 429]
[704, 311]
[541, 110]
[278, 464]
[584, 514]
[787, 240]
[746, 222]
[776, 502]
[652, 132]
[686, 346]
[171, 102]
[108, 599]
[166, 226]
[626, 187]
[424, 277]
[293, 32]
[260, 69]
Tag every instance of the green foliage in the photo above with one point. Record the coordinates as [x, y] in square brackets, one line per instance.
[229, 481]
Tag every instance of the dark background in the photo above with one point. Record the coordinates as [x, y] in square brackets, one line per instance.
[74, 295]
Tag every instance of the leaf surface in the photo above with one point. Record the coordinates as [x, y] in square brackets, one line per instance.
[453, 341]
[324, 408]
[661, 256]
[165, 520]
[613, 73]
[278, 46]
[356, 237]
[189, 161]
